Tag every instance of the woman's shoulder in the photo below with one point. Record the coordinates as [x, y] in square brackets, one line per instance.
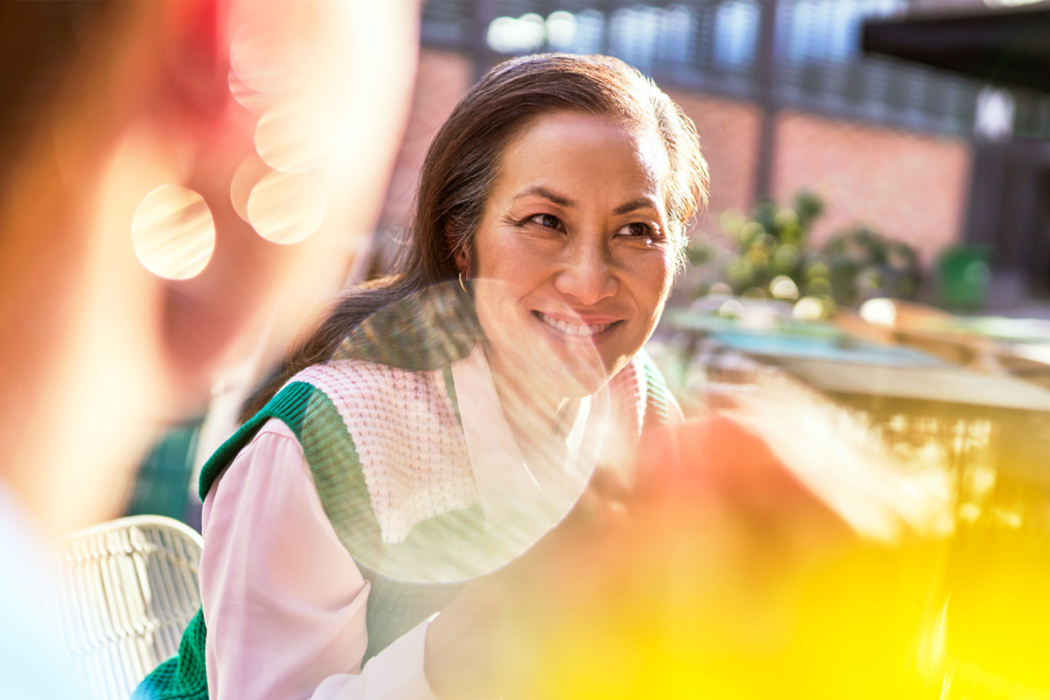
[355, 386]
[426, 330]
[275, 443]
[381, 407]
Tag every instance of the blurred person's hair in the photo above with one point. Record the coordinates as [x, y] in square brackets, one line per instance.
[462, 165]
[41, 43]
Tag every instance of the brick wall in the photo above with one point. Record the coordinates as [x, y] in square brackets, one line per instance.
[729, 139]
[907, 186]
[442, 79]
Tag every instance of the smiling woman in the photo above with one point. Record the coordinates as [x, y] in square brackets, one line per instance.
[576, 232]
[439, 422]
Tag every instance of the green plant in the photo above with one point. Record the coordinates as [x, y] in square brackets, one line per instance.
[863, 264]
[772, 258]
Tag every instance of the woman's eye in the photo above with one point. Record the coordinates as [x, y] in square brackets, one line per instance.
[546, 220]
[639, 230]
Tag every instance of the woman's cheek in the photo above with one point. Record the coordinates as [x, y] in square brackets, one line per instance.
[652, 277]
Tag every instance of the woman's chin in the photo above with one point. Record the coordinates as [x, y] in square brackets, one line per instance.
[574, 379]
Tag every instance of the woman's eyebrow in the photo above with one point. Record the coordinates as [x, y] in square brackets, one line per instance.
[541, 191]
[635, 204]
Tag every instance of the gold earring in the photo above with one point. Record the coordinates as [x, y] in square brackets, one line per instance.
[461, 285]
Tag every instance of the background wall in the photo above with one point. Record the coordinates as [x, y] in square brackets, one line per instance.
[905, 184]
[728, 132]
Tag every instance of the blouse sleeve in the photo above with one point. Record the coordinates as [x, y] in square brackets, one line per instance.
[284, 602]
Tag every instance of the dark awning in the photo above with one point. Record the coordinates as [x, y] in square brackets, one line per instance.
[1008, 46]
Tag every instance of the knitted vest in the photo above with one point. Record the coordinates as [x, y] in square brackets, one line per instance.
[321, 404]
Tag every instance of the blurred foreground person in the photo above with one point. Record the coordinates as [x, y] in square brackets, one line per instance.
[441, 421]
[154, 157]
[777, 548]
[769, 550]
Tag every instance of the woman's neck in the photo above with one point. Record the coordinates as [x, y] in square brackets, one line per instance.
[534, 416]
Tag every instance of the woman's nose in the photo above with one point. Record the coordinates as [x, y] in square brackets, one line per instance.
[587, 275]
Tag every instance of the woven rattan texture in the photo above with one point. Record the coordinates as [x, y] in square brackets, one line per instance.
[127, 590]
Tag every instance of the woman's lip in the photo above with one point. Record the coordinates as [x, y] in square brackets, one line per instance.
[590, 331]
[585, 319]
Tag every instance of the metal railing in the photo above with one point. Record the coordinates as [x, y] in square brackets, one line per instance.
[713, 46]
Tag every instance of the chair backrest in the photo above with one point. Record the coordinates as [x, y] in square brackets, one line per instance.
[128, 588]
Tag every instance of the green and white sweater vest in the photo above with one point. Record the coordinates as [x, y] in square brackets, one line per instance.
[386, 449]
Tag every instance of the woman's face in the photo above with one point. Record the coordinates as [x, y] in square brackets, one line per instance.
[573, 256]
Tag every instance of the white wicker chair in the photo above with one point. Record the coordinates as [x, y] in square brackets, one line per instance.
[128, 588]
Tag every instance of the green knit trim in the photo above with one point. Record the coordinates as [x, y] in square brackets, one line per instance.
[450, 387]
[660, 404]
[394, 607]
[184, 676]
[331, 455]
[289, 405]
[336, 467]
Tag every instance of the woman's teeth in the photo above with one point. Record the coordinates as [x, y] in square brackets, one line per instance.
[571, 328]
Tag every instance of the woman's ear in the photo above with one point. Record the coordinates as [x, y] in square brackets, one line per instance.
[460, 254]
[462, 262]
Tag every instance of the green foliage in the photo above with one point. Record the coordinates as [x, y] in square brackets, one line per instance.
[773, 257]
[771, 247]
[863, 264]
[699, 252]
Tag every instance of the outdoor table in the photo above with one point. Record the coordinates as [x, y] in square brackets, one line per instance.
[946, 400]
[912, 395]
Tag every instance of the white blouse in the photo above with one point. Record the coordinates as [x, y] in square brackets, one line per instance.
[284, 601]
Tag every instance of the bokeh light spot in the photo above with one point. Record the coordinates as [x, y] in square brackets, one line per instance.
[882, 312]
[561, 29]
[249, 98]
[808, 309]
[173, 233]
[783, 287]
[271, 61]
[512, 35]
[732, 308]
[286, 207]
[248, 175]
[292, 138]
[720, 289]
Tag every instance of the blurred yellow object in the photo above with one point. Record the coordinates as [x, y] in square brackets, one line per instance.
[733, 579]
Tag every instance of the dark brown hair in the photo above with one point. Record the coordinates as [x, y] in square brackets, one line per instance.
[40, 44]
[463, 162]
